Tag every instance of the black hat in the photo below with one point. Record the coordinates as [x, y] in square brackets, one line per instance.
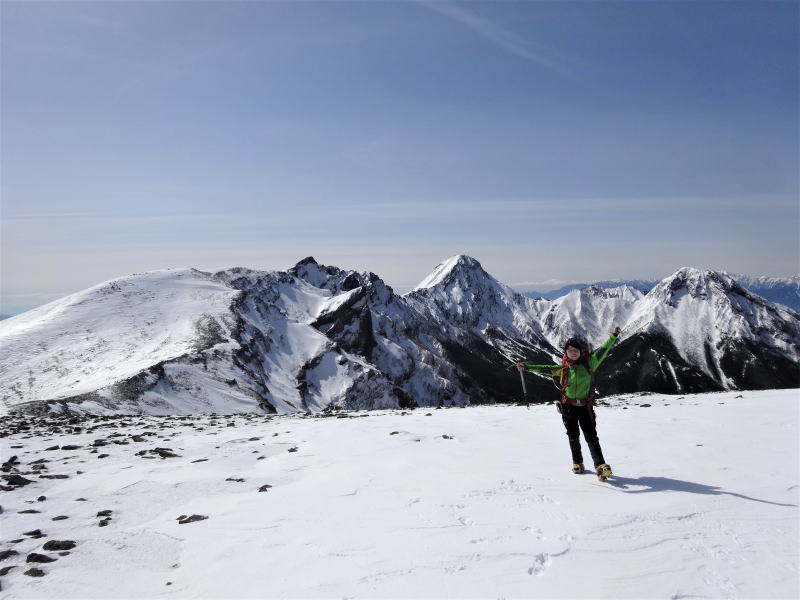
[574, 343]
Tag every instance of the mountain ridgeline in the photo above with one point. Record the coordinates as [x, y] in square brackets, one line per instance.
[319, 338]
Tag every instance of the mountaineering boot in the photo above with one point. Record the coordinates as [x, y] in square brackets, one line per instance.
[577, 468]
[603, 471]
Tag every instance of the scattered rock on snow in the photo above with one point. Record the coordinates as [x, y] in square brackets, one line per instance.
[191, 519]
[35, 534]
[34, 572]
[34, 557]
[16, 480]
[59, 545]
[4, 554]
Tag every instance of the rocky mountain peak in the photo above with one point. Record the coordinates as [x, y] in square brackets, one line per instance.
[696, 283]
[461, 269]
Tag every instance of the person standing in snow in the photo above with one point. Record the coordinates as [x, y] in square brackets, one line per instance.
[576, 374]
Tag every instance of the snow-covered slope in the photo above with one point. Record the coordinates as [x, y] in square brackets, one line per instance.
[462, 503]
[112, 332]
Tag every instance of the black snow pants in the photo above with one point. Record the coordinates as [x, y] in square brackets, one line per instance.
[575, 417]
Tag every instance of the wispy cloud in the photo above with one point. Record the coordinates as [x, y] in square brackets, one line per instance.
[492, 32]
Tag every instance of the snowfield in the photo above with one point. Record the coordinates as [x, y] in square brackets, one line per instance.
[474, 502]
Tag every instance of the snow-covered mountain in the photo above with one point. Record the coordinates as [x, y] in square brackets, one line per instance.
[784, 290]
[589, 313]
[642, 285]
[702, 330]
[464, 299]
[317, 337]
[307, 339]
[113, 343]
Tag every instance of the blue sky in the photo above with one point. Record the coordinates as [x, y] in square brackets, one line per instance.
[563, 141]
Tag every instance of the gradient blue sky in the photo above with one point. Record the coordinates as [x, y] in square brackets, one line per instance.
[565, 141]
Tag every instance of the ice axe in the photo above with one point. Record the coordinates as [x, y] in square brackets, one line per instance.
[524, 387]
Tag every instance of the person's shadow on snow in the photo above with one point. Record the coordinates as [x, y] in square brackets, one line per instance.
[665, 484]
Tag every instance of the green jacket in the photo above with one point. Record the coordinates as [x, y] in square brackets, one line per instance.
[578, 380]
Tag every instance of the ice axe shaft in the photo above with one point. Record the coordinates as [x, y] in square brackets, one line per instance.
[524, 388]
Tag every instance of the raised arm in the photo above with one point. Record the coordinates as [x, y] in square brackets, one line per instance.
[599, 355]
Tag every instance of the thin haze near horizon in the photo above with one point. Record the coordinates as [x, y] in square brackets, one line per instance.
[553, 141]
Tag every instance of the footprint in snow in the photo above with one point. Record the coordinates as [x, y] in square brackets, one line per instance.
[540, 563]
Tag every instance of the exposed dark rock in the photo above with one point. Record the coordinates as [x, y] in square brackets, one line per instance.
[5, 570]
[105, 513]
[104, 522]
[34, 572]
[165, 452]
[28, 511]
[191, 519]
[36, 533]
[4, 554]
[34, 557]
[60, 518]
[264, 488]
[16, 480]
[56, 545]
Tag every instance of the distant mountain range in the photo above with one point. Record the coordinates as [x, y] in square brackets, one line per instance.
[785, 290]
[317, 338]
